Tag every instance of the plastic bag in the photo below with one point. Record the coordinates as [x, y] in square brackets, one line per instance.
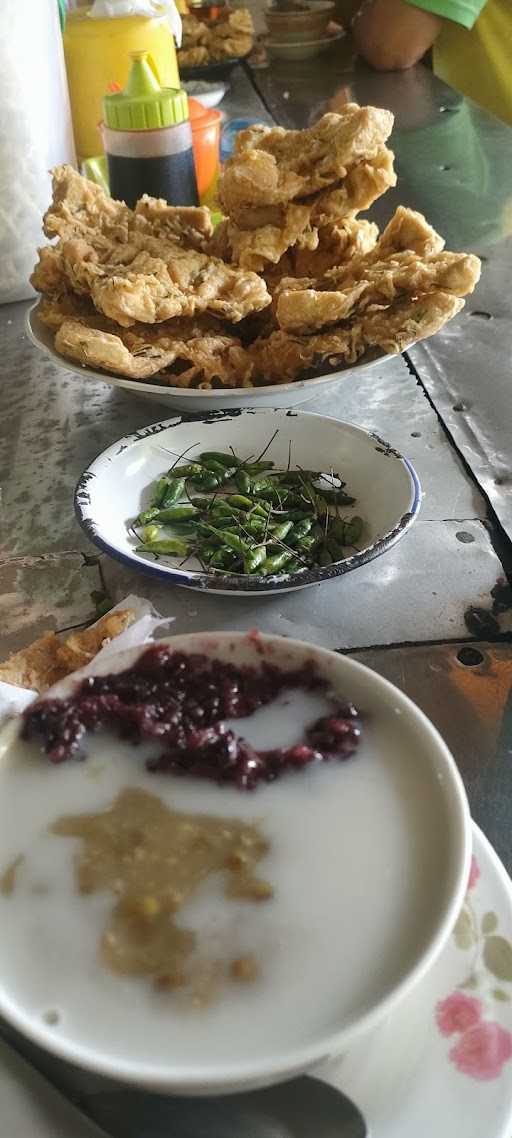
[35, 133]
[112, 9]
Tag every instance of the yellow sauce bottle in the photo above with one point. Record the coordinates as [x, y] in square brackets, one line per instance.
[97, 53]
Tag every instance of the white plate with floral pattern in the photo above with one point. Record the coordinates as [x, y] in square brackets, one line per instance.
[441, 1064]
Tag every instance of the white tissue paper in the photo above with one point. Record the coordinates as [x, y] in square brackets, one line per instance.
[13, 700]
[112, 9]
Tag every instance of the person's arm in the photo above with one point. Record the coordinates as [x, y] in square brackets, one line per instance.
[392, 35]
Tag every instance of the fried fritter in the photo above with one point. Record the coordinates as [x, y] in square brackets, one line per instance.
[151, 288]
[49, 275]
[49, 659]
[409, 229]
[194, 31]
[258, 235]
[283, 357]
[143, 352]
[337, 243]
[395, 328]
[54, 309]
[256, 248]
[230, 36]
[309, 309]
[273, 166]
[139, 265]
[193, 56]
[191, 225]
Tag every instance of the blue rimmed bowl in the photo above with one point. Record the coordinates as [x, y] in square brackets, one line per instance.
[116, 487]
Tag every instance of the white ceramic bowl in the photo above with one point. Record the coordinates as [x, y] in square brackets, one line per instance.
[208, 94]
[116, 487]
[192, 400]
[369, 860]
[306, 49]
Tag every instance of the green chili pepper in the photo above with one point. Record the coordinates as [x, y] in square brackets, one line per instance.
[205, 529]
[337, 497]
[224, 559]
[147, 516]
[294, 566]
[219, 458]
[307, 543]
[177, 514]
[228, 475]
[240, 501]
[337, 530]
[294, 477]
[263, 486]
[280, 531]
[188, 470]
[234, 542]
[324, 558]
[275, 562]
[168, 545]
[224, 506]
[226, 537]
[261, 510]
[159, 491]
[299, 531]
[207, 480]
[257, 467]
[150, 533]
[217, 467]
[243, 481]
[207, 552]
[254, 558]
[174, 491]
[225, 523]
[337, 552]
[202, 503]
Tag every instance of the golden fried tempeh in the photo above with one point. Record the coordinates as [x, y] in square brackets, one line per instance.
[283, 357]
[49, 659]
[310, 309]
[272, 166]
[143, 352]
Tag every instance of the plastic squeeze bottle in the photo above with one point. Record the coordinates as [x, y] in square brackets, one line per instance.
[98, 39]
[148, 139]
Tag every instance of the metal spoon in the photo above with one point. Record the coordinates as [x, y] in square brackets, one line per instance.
[302, 1108]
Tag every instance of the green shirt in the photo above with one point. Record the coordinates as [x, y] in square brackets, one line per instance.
[473, 51]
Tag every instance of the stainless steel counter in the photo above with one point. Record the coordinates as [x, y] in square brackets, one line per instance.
[411, 614]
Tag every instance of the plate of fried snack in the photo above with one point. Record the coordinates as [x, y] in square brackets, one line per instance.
[290, 293]
[215, 46]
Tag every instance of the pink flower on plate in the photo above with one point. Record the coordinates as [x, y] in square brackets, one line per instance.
[474, 873]
[482, 1051]
[458, 1013]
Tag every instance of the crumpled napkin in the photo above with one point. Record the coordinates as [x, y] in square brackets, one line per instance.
[13, 700]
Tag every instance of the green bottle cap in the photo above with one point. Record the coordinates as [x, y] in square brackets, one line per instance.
[144, 104]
